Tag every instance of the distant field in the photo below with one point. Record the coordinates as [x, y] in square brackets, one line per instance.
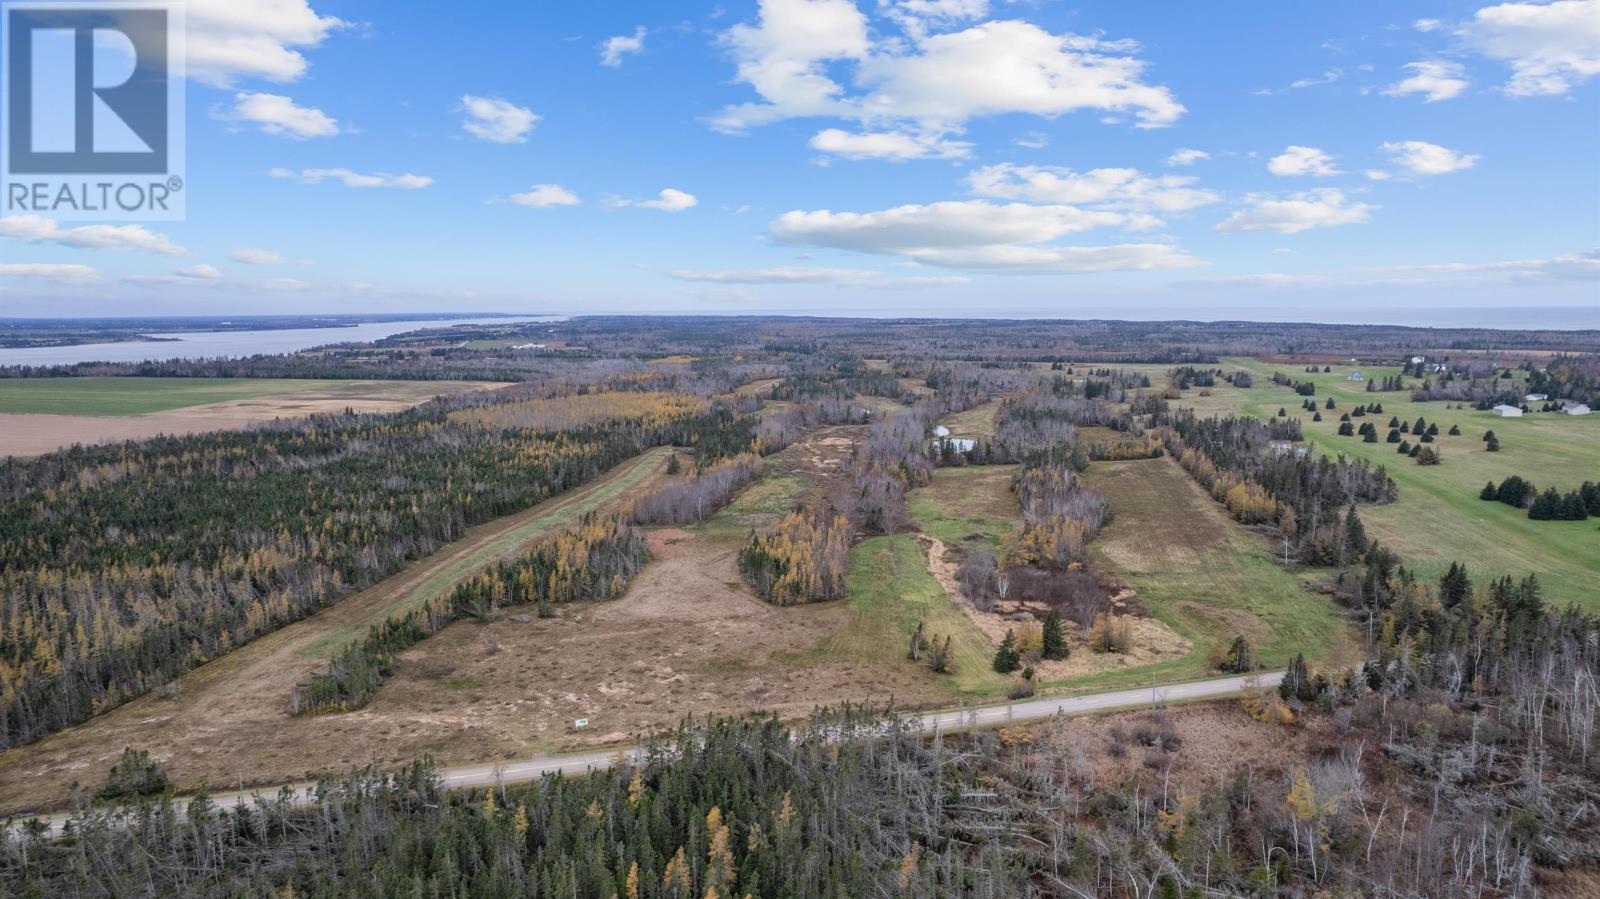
[973, 503]
[979, 421]
[135, 396]
[1438, 518]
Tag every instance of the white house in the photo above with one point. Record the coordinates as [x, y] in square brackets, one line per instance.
[1418, 360]
[941, 431]
[1505, 411]
[1579, 409]
[1355, 376]
[1536, 397]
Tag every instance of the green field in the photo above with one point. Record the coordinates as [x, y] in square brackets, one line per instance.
[890, 591]
[135, 396]
[1438, 518]
[1201, 573]
[968, 504]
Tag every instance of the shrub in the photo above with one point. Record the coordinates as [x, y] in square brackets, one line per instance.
[135, 776]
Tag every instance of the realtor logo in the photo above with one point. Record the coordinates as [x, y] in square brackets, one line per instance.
[93, 110]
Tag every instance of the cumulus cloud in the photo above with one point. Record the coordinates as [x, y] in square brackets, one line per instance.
[895, 146]
[259, 256]
[613, 49]
[1187, 157]
[1435, 79]
[936, 80]
[277, 114]
[543, 196]
[497, 121]
[1422, 158]
[1321, 208]
[669, 200]
[1108, 188]
[1295, 161]
[1550, 47]
[350, 178]
[918, 16]
[37, 229]
[233, 39]
[976, 234]
[1378, 175]
[1426, 24]
[201, 272]
[43, 271]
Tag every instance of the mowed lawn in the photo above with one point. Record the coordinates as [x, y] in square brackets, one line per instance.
[1438, 518]
[1201, 573]
[135, 396]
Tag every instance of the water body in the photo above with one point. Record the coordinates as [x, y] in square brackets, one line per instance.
[230, 344]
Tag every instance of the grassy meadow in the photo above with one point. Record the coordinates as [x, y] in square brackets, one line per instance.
[135, 396]
[1438, 518]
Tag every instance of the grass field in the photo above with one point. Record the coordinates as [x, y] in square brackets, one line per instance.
[1200, 572]
[135, 396]
[890, 591]
[973, 503]
[979, 421]
[1438, 518]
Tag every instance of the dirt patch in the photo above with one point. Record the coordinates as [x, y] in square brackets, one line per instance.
[1198, 745]
[1149, 640]
[28, 435]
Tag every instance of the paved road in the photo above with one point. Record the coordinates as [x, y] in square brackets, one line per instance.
[934, 722]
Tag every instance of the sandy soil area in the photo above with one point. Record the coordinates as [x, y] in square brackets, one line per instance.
[28, 435]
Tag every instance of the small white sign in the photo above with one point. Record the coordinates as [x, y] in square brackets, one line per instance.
[581, 722]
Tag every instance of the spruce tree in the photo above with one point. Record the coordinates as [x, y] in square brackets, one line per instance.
[1006, 658]
[1054, 639]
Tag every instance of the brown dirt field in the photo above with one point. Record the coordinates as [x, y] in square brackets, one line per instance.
[1150, 641]
[689, 636]
[1217, 738]
[230, 723]
[29, 435]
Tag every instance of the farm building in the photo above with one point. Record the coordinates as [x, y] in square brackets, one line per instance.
[1418, 360]
[1579, 409]
[1536, 397]
[941, 431]
[1355, 376]
[1505, 411]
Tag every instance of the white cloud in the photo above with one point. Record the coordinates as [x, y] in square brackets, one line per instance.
[612, 49]
[201, 272]
[277, 114]
[496, 120]
[1033, 140]
[1426, 24]
[1583, 266]
[1187, 157]
[895, 146]
[669, 200]
[1550, 47]
[1327, 77]
[1378, 175]
[1296, 161]
[259, 256]
[42, 271]
[543, 196]
[1436, 79]
[1321, 208]
[918, 16]
[1108, 188]
[977, 234]
[776, 275]
[938, 81]
[233, 39]
[36, 229]
[350, 178]
[1422, 158]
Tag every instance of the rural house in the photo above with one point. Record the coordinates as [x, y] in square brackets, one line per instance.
[1505, 411]
[1579, 409]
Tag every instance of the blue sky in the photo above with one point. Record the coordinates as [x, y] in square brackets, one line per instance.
[927, 157]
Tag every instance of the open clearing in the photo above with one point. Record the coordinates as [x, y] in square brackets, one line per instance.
[230, 722]
[1438, 518]
[38, 415]
[1201, 573]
